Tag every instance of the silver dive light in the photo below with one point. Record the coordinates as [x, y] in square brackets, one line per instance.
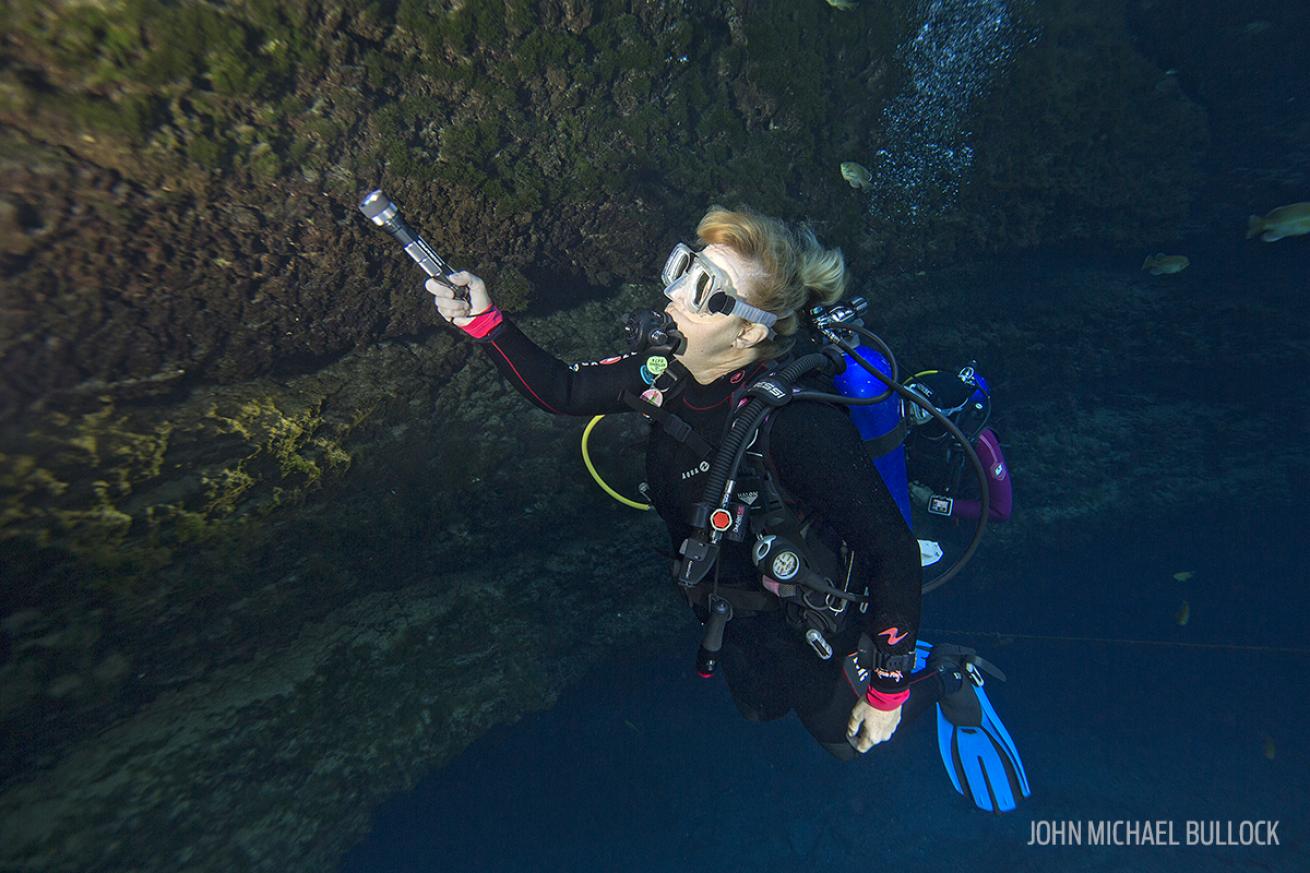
[378, 209]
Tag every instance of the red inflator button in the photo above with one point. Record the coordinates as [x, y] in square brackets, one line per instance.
[721, 520]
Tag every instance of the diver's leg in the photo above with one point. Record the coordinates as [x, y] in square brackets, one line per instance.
[827, 723]
[824, 698]
[923, 694]
[751, 669]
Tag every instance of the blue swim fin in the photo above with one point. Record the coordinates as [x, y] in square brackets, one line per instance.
[979, 755]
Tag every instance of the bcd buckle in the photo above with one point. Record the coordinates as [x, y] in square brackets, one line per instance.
[698, 557]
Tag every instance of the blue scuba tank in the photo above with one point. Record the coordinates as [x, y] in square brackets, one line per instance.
[878, 421]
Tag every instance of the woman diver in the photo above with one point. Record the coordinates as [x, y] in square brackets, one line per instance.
[733, 306]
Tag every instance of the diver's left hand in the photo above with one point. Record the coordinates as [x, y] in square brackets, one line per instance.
[869, 726]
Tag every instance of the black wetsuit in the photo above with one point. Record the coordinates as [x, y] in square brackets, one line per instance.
[821, 462]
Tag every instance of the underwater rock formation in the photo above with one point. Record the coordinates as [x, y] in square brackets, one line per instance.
[180, 178]
[311, 650]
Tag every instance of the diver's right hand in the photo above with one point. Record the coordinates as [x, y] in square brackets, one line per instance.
[454, 309]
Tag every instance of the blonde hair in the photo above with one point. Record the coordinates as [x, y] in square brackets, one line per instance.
[798, 272]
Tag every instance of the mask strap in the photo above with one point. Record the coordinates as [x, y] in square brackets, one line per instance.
[752, 313]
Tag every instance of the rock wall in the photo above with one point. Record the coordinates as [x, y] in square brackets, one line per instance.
[180, 179]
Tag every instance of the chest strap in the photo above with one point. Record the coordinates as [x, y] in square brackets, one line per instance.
[671, 424]
[745, 601]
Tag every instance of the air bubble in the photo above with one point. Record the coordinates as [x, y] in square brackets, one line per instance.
[951, 60]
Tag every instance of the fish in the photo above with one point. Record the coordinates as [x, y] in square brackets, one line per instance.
[1270, 749]
[1183, 575]
[857, 174]
[843, 5]
[1183, 615]
[1159, 263]
[1290, 220]
[634, 728]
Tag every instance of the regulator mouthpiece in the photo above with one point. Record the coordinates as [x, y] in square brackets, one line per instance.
[652, 331]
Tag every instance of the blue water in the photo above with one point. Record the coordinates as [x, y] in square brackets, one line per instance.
[645, 767]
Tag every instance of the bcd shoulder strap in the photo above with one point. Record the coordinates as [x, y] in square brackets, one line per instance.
[779, 512]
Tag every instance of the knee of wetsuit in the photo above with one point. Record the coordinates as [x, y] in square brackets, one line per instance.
[750, 711]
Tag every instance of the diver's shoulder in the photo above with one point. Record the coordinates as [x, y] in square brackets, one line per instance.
[812, 417]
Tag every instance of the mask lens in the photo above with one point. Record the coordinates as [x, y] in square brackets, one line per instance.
[676, 266]
[918, 414]
[701, 290]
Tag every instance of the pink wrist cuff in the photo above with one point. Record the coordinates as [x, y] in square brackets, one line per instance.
[484, 323]
[884, 701]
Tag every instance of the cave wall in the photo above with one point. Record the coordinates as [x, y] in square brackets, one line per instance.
[180, 179]
[183, 262]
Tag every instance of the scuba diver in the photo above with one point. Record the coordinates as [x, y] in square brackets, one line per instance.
[937, 462]
[787, 542]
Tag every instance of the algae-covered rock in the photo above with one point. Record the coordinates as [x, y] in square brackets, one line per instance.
[217, 639]
[180, 177]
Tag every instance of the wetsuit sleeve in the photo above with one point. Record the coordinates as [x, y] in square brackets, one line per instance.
[822, 462]
[590, 388]
[1000, 492]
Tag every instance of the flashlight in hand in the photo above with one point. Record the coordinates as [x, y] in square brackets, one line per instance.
[378, 209]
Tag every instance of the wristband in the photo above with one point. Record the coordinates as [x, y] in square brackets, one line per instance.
[483, 323]
[884, 701]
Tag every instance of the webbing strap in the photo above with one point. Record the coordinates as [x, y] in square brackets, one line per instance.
[744, 601]
[879, 446]
[671, 424]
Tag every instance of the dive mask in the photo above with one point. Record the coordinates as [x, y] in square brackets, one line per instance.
[963, 397]
[701, 286]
